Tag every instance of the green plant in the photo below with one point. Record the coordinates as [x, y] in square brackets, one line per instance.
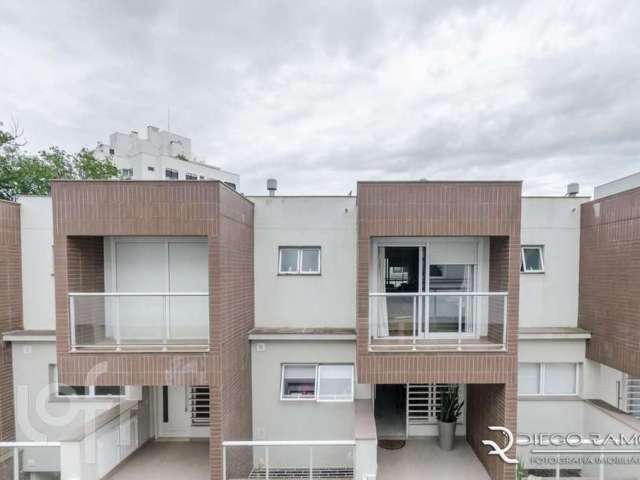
[450, 404]
[520, 469]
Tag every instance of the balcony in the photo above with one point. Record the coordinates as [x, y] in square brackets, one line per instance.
[133, 321]
[438, 321]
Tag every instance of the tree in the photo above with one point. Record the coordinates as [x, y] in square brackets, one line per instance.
[23, 173]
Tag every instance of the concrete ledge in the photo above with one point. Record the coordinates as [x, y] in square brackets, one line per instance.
[553, 333]
[29, 336]
[91, 426]
[346, 334]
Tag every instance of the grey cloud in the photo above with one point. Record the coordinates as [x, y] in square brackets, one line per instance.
[321, 94]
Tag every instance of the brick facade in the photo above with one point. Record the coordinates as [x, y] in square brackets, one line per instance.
[483, 209]
[609, 290]
[85, 212]
[10, 308]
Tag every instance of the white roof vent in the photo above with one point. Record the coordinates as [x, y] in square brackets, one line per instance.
[573, 189]
[272, 186]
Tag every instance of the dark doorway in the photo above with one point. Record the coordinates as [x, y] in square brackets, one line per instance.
[391, 411]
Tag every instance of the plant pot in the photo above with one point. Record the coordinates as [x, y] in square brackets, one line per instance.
[446, 435]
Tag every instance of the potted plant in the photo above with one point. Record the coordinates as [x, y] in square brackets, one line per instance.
[450, 409]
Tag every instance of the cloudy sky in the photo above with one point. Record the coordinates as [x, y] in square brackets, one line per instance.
[321, 94]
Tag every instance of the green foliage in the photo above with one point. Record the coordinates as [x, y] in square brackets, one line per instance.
[24, 173]
[450, 404]
[520, 469]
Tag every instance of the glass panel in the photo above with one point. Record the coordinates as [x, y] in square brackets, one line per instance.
[528, 378]
[444, 310]
[311, 260]
[109, 391]
[67, 390]
[560, 379]
[335, 382]
[299, 381]
[532, 259]
[288, 260]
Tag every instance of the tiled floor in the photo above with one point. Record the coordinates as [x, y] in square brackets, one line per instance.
[166, 460]
[422, 459]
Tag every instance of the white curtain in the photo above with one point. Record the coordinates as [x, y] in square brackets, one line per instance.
[468, 286]
[380, 305]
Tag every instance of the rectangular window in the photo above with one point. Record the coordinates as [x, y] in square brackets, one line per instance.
[84, 391]
[335, 383]
[532, 260]
[299, 261]
[171, 174]
[529, 379]
[200, 406]
[547, 379]
[298, 382]
[127, 173]
[319, 382]
[190, 176]
[151, 169]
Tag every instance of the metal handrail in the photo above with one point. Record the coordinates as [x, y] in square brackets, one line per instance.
[117, 343]
[16, 446]
[138, 294]
[281, 443]
[438, 294]
[418, 340]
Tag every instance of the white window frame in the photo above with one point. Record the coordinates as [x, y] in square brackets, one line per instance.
[540, 249]
[319, 383]
[285, 398]
[91, 389]
[300, 251]
[542, 375]
[316, 386]
[192, 175]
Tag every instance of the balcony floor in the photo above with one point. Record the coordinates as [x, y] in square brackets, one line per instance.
[420, 457]
[165, 461]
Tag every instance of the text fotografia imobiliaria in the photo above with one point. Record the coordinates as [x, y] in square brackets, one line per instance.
[570, 448]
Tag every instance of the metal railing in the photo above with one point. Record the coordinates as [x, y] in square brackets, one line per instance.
[38, 453]
[267, 465]
[433, 321]
[139, 321]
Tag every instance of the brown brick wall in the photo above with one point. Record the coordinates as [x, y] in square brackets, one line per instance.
[489, 209]
[10, 308]
[441, 209]
[234, 309]
[609, 303]
[98, 209]
[489, 405]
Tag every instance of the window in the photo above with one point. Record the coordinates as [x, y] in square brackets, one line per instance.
[199, 401]
[171, 174]
[547, 379]
[532, 259]
[190, 176]
[322, 383]
[151, 169]
[61, 390]
[299, 261]
[112, 151]
[127, 173]
[298, 382]
[335, 383]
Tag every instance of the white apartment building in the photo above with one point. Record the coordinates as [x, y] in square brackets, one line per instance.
[332, 392]
[163, 155]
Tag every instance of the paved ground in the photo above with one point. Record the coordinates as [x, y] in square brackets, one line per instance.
[166, 460]
[422, 459]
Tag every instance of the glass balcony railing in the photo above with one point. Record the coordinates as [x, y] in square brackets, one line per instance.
[432, 321]
[139, 321]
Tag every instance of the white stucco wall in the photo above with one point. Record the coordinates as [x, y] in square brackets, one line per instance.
[550, 299]
[36, 230]
[325, 300]
[274, 419]
[617, 186]
[603, 383]
[39, 416]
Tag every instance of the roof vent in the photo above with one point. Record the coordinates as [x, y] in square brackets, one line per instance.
[272, 186]
[573, 189]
